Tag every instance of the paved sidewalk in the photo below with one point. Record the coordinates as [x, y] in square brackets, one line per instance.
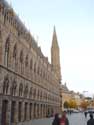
[45, 121]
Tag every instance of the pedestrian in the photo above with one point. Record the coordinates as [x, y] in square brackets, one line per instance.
[64, 120]
[56, 120]
[91, 120]
[85, 113]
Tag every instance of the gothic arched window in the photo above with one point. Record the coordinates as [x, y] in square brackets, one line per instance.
[35, 67]
[26, 61]
[5, 85]
[30, 94]
[26, 91]
[13, 88]
[15, 51]
[38, 94]
[31, 64]
[38, 71]
[21, 61]
[34, 93]
[7, 44]
[41, 95]
[21, 57]
[21, 89]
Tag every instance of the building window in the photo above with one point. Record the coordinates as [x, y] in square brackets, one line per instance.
[34, 93]
[21, 57]
[26, 61]
[38, 70]
[15, 51]
[21, 89]
[31, 64]
[26, 91]
[30, 94]
[5, 85]
[35, 67]
[7, 44]
[38, 94]
[13, 88]
[21, 61]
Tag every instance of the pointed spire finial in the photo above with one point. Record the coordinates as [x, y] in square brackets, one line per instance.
[54, 32]
[54, 29]
[54, 39]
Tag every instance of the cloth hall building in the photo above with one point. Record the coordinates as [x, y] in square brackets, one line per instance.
[29, 84]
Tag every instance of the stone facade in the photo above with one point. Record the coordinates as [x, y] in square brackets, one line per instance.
[65, 95]
[68, 95]
[29, 87]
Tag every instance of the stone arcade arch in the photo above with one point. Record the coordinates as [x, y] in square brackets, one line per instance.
[4, 112]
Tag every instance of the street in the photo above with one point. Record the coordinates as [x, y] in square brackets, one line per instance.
[74, 119]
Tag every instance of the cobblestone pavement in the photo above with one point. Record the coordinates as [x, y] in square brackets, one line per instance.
[74, 119]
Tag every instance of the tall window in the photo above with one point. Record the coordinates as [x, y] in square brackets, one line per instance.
[21, 89]
[5, 85]
[26, 61]
[34, 93]
[26, 91]
[15, 53]
[30, 94]
[21, 60]
[38, 71]
[21, 57]
[35, 67]
[38, 94]
[13, 88]
[7, 44]
[31, 64]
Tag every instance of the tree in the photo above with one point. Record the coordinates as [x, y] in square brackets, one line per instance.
[72, 103]
[66, 104]
[84, 104]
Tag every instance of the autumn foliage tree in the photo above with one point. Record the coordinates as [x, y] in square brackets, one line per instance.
[72, 104]
[84, 104]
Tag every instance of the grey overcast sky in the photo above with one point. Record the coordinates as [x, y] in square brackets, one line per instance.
[74, 22]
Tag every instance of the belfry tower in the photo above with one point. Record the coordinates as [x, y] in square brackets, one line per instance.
[55, 57]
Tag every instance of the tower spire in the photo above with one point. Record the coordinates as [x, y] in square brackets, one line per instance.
[54, 39]
[55, 57]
